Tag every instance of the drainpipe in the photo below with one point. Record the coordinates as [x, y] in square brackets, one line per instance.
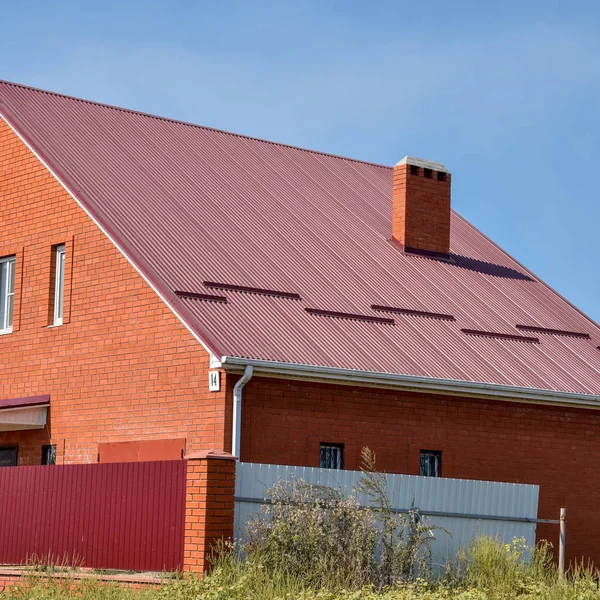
[237, 410]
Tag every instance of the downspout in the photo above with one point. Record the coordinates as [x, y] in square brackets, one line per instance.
[237, 410]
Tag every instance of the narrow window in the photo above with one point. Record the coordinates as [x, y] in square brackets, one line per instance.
[59, 285]
[7, 293]
[431, 463]
[49, 454]
[332, 456]
[8, 456]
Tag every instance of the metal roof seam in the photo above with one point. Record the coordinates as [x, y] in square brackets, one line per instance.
[550, 331]
[502, 336]
[351, 316]
[413, 312]
[198, 296]
[252, 290]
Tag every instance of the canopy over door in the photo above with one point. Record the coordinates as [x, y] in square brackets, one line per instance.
[24, 413]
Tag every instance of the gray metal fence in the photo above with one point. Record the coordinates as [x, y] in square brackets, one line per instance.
[465, 508]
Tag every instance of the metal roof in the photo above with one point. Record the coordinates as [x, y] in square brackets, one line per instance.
[276, 230]
[22, 402]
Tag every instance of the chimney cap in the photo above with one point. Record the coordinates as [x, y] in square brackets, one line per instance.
[426, 164]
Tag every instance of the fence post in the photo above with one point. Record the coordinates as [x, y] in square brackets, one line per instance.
[209, 506]
[561, 543]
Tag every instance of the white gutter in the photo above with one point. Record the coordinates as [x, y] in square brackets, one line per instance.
[237, 410]
[410, 382]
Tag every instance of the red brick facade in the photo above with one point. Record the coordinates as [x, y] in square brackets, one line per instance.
[122, 367]
[556, 448]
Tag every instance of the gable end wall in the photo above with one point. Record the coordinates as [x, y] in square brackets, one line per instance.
[122, 367]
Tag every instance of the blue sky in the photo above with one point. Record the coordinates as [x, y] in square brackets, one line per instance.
[506, 95]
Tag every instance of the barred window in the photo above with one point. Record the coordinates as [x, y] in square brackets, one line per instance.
[8, 456]
[49, 454]
[332, 456]
[431, 463]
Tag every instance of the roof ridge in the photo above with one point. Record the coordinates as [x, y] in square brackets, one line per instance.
[188, 124]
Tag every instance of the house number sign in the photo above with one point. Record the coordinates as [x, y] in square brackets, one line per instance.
[214, 381]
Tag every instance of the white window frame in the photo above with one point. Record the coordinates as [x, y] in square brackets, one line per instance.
[7, 295]
[59, 284]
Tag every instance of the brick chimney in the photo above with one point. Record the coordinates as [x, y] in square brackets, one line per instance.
[421, 206]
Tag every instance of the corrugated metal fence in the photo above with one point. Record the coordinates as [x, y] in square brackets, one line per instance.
[465, 508]
[128, 516]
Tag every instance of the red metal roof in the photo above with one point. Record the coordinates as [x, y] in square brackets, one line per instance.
[23, 402]
[205, 212]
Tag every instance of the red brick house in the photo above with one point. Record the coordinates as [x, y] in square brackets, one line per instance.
[166, 287]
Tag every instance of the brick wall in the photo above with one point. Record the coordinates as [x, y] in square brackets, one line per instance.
[122, 367]
[557, 448]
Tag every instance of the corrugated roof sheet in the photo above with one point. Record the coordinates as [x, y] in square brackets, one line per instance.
[191, 205]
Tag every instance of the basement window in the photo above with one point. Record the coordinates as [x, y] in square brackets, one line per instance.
[332, 456]
[8, 456]
[49, 454]
[59, 284]
[431, 463]
[7, 293]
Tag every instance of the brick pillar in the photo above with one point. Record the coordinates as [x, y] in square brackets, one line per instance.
[209, 505]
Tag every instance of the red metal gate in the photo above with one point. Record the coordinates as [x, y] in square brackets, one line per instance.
[127, 516]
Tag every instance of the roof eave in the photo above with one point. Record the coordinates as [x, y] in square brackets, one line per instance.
[453, 387]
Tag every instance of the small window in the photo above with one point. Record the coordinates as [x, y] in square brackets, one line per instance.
[8, 456]
[332, 456]
[59, 285]
[428, 173]
[7, 293]
[49, 454]
[431, 463]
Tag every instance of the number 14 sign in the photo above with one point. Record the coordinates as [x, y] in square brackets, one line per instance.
[214, 381]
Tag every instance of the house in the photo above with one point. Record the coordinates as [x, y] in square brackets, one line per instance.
[167, 287]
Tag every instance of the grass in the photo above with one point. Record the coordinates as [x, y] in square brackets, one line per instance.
[488, 570]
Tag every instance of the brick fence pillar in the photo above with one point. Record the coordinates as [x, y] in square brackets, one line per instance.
[209, 506]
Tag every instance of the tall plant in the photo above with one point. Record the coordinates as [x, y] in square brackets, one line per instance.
[312, 532]
[405, 537]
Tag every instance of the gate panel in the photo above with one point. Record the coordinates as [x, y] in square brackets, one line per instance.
[126, 516]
